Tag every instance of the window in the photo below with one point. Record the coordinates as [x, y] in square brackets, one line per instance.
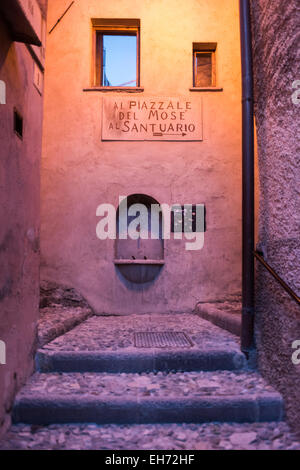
[116, 53]
[2, 92]
[18, 124]
[204, 61]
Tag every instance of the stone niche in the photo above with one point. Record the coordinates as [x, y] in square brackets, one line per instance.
[139, 260]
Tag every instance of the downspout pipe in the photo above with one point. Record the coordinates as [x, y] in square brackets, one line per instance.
[247, 329]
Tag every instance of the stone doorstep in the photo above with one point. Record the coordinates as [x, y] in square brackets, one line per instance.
[42, 410]
[214, 313]
[132, 360]
[240, 396]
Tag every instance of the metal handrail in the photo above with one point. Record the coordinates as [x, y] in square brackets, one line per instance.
[259, 257]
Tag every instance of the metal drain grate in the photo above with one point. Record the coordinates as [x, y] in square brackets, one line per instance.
[163, 339]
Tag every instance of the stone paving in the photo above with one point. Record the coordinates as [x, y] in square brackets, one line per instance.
[172, 385]
[212, 436]
[117, 332]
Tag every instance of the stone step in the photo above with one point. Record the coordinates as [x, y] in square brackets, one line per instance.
[225, 315]
[194, 397]
[107, 344]
[136, 361]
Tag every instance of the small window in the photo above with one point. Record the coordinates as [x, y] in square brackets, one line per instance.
[18, 124]
[116, 55]
[204, 58]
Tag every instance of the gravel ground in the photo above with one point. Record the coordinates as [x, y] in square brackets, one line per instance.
[215, 436]
[172, 385]
[113, 333]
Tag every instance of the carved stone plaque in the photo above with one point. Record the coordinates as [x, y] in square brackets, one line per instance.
[151, 118]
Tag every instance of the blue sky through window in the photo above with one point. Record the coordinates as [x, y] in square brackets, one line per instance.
[120, 55]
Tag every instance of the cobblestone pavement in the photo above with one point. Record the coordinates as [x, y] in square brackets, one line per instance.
[212, 436]
[115, 332]
[172, 385]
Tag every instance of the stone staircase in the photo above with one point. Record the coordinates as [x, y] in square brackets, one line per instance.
[96, 374]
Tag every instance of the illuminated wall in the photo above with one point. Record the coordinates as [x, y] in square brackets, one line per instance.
[81, 171]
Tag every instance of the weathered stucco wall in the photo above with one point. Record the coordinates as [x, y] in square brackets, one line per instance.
[19, 215]
[276, 67]
[80, 171]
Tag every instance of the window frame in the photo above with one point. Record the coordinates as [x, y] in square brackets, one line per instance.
[113, 27]
[205, 48]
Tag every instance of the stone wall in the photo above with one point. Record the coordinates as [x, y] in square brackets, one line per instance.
[276, 67]
[19, 215]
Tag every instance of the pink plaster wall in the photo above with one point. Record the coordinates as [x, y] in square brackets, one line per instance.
[19, 215]
[79, 171]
